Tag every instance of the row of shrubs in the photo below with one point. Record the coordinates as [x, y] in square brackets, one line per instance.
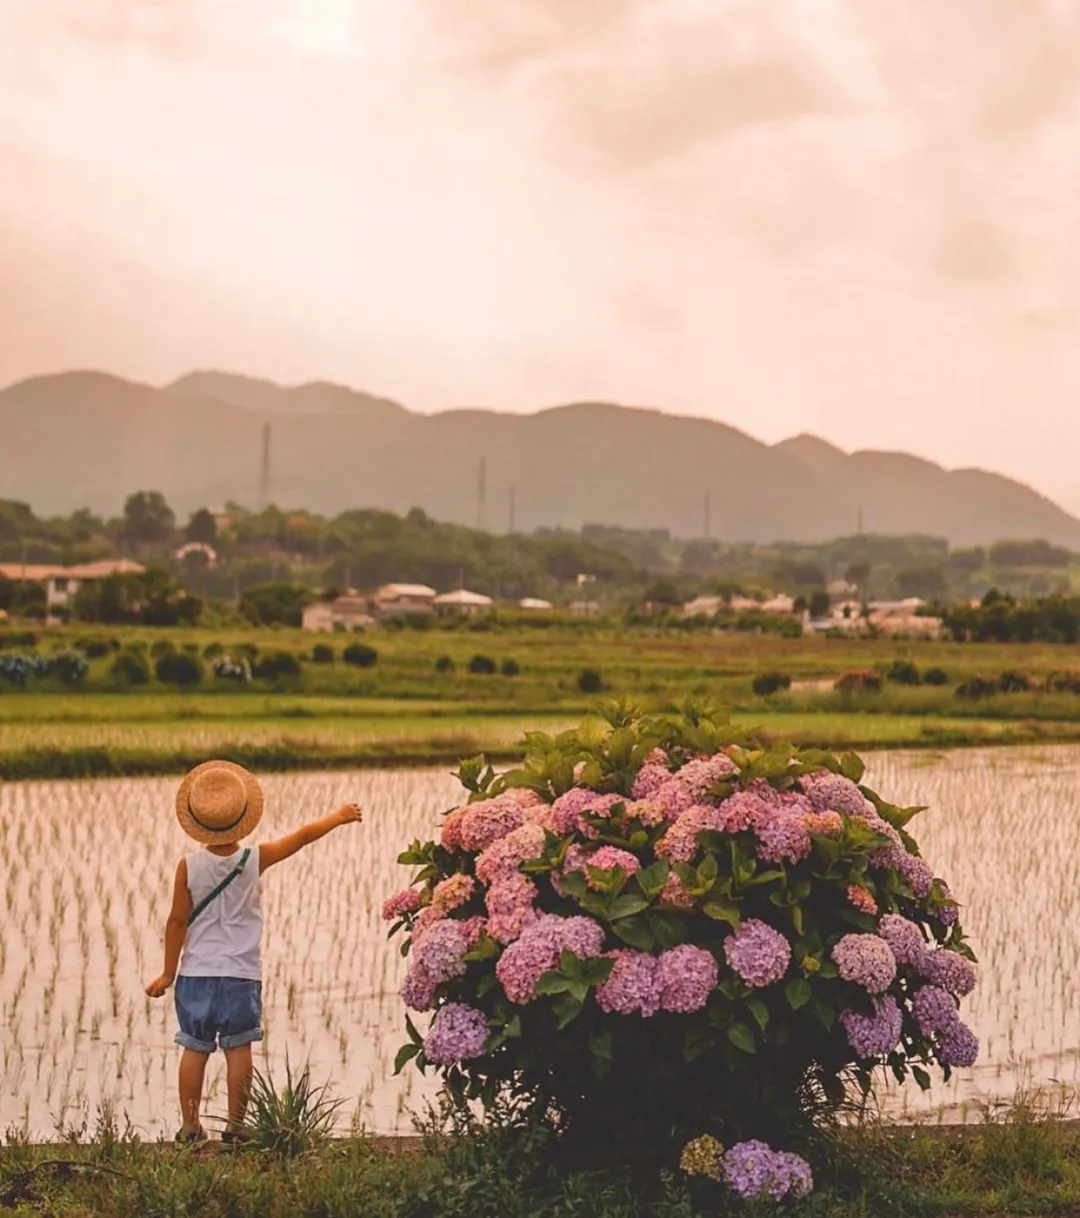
[900, 672]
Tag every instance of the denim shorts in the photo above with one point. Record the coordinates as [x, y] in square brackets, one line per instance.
[213, 1011]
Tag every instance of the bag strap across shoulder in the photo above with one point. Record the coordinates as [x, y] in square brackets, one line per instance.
[209, 900]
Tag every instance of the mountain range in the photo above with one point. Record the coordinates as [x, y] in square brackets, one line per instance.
[86, 439]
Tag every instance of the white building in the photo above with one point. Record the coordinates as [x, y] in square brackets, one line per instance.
[401, 600]
[62, 584]
[533, 604]
[462, 604]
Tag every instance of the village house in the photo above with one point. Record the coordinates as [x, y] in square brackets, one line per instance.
[348, 613]
[533, 604]
[462, 604]
[62, 584]
[404, 600]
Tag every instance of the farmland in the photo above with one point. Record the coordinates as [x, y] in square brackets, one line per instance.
[421, 702]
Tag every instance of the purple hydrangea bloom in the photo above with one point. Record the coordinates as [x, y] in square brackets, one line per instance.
[866, 960]
[436, 957]
[633, 987]
[457, 1032]
[782, 838]
[935, 1011]
[650, 778]
[483, 823]
[758, 953]
[504, 857]
[752, 1169]
[949, 914]
[874, 1035]
[959, 1048]
[919, 877]
[904, 939]
[686, 975]
[830, 792]
[607, 858]
[951, 971]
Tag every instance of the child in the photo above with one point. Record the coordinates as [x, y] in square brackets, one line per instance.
[216, 920]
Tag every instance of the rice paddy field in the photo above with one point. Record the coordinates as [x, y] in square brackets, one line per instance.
[85, 874]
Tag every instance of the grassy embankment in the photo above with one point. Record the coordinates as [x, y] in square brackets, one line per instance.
[402, 711]
[1021, 1166]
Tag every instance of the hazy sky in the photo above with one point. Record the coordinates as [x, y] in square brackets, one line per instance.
[854, 217]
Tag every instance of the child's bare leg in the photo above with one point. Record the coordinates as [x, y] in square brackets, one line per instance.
[192, 1074]
[239, 1069]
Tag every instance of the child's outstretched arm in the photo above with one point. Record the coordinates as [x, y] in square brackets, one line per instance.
[175, 933]
[286, 847]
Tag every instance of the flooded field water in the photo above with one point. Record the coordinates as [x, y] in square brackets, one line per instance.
[85, 875]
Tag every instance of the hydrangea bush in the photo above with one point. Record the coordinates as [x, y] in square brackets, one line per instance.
[660, 929]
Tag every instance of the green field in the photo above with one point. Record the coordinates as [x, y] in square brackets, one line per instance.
[401, 710]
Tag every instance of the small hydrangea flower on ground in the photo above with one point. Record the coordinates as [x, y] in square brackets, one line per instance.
[753, 1170]
[703, 1156]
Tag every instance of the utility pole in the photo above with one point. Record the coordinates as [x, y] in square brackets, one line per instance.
[264, 479]
[481, 496]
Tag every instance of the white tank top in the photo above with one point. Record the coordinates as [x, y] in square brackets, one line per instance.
[225, 940]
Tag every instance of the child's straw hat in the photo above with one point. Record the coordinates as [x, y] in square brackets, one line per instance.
[219, 802]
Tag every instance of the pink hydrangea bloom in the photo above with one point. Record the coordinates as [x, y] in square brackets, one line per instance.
[680, 842]
[504, 857]
[862, 899]
[758, 953]
[472, 928]
[452, 893]
[406, 902]
[538, 949]
[865, 960]
[745, 810]
[672, 799]
[675, 895]
[510, 909]
[485, 822]
[567, 812]
[650, 778]
[705, 772]
[457, 1032]
[646, 812]
[633, 987]
[450, 836]
[686, 976]
[607, 858]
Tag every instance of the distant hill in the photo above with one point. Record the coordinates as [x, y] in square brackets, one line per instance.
[87, 439]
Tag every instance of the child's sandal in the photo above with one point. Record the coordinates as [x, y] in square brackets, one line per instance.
[236, 1138]
[191, 1137]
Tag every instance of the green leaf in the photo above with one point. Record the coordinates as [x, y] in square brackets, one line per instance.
[797, 918]
[414, 1035]
[405, 1055]
[636, 932]
[567, 1009]
[722, 911]
[921, 1077]
[851, 766]
[626, 906]
[652, 880]
[670, 929]
[708, 871]
[759, 1011]
[486, 984]
[553, 983]
[798, 993]
[600, 1045]
[742, 1038]
[596, 972]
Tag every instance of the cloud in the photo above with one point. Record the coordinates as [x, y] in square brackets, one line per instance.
[170, 28]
